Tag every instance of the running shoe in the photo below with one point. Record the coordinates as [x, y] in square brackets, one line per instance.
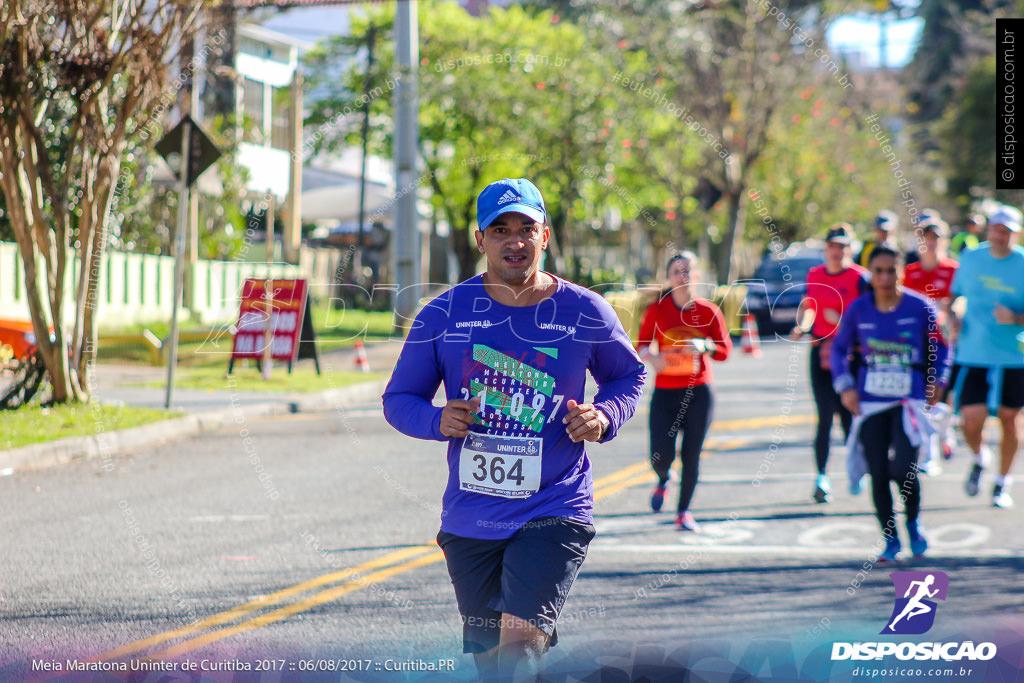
[932, 468]
[1001, 497]
[892, 550]
[857, 487]
[658, 497]
[947, 449]
[686, 522]
[918, 542]
[973, 482]
[822, 489]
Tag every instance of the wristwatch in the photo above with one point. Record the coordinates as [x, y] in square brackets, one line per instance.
[606, 424]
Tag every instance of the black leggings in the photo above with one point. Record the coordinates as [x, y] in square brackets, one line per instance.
[680, 410]
[827, 401]
[877, 434]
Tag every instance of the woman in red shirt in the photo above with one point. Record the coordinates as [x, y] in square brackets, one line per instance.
[687, 331]
[831, 288]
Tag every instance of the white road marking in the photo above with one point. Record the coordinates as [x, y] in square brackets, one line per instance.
[829, 539]
[231, 518]
[852, 552]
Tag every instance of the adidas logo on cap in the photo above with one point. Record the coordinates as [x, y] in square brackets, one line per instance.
[509, 196]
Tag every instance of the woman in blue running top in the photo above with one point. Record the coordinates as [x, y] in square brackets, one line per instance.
[904, 362]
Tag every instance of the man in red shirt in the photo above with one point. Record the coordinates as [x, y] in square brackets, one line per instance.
[933, 274]
[831, 288]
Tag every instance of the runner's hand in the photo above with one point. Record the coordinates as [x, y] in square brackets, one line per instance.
[657, 362]
[699, 345]
[585, 422]
[457, 416]
[851, 401]
[1004, 316]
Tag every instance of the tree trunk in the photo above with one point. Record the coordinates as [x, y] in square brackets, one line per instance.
[22, 184]
[99, 212]
[734, 222]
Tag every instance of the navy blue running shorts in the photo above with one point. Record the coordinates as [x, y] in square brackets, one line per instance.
[528, 576]
[974, 385]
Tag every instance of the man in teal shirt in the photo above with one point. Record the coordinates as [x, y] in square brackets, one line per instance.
[989, 361]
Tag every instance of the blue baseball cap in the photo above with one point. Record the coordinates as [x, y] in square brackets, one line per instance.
[885, 220]
[508, 195]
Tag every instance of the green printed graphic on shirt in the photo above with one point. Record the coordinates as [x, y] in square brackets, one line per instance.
[531, 416]
[889, 353]
[507, 366]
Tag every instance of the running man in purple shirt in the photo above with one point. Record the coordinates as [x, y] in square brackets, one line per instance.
[513, 347]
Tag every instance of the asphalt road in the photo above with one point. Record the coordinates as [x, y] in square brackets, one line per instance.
[305, 541]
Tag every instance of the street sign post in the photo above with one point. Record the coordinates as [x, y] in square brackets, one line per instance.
[188, 152]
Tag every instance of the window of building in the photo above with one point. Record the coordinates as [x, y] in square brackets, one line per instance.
[253, 100]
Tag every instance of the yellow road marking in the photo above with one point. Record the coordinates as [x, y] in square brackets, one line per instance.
[261, 602]
[604, 487]
[336, 592]
[641, 478]
[728, 445]
[755, 422]
[295, 608]
[621, 474]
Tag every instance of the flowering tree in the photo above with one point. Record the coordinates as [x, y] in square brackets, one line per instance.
[78, 80]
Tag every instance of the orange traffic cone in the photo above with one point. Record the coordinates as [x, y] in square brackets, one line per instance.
[361, 362]
[751, 341]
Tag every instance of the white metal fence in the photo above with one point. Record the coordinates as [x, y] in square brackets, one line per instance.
[137, 288]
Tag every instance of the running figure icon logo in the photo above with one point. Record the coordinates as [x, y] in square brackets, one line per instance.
[914, 611]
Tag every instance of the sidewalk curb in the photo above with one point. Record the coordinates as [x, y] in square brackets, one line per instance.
[105, 445]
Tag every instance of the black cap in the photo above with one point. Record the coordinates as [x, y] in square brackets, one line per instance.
[839, 234]
[937, 227]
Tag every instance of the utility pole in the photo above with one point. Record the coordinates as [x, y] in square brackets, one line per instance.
[406, 244]
[268, 291]
[371, 38]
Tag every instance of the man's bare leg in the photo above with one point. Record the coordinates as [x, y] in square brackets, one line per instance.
[973, 424]
[1011, 442]
[518, 656]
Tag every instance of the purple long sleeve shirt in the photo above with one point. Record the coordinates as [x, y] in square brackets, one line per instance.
[518, 464]
[900, 349]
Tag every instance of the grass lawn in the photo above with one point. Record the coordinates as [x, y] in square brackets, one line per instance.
[34, 424]
[302, 379]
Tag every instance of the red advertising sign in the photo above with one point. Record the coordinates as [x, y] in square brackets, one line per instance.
[288, 306]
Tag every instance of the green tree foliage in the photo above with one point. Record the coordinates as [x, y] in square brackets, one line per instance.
[510, 94]
[951, 83]
[729, 66]
[951, 41]
[967, 140]
[823, 166]
[142, 213]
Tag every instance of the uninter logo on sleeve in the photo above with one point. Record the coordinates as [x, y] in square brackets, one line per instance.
[913, 613]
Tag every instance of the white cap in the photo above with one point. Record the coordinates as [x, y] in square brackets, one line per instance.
[1007, 216]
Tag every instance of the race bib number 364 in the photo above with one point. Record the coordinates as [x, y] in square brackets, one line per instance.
[504, 466]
